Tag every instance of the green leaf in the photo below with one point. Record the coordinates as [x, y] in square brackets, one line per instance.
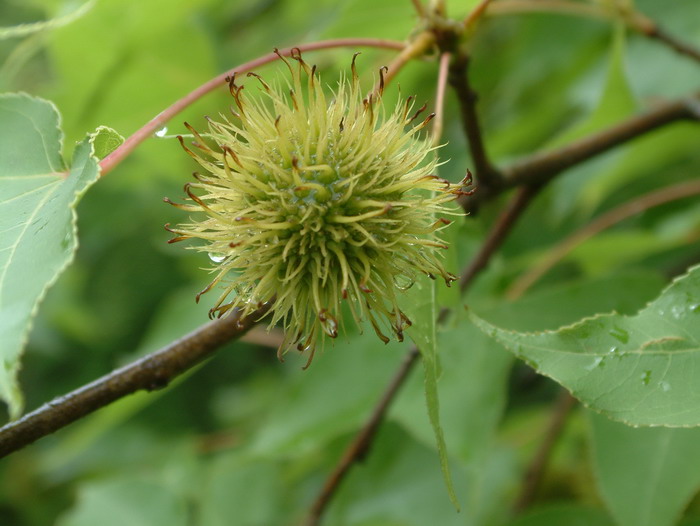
[37, 220]
[243, 490]
[397, 471]
[658, 460]
[128, 499]
[104, 141]
[617, 101]
[358, 367]
[638, 369]
[420, 307]
[562, 304]
[472, 388]
[569, 515]
[22, 30]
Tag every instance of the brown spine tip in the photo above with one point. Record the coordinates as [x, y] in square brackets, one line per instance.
[418, 112]
[353, 68]
[229, 152]
[382, 71]
[231, 79]
[260, 79]
[364, 288]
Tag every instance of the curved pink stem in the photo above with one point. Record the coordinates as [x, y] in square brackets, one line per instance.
[113, 159]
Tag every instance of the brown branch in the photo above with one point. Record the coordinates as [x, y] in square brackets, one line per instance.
[624, 211]
[651, 29]
[633, 19]
[488, 178]
[498, 233]
[151, 372]
[542, 167]
[533, 475]
[259, 335]
[357, 450]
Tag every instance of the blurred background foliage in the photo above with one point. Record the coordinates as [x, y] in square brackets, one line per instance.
[246, 440]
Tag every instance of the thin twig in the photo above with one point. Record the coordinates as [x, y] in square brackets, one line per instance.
[562, 7]
[634, 20]
[651, 29]
[541, 167]
[357, 449]
[533, 475]
[624, 211]
[259, 335]
[438, 7]
[417, 47]
[112, 160]
[151, 372]
[487, 176]
[439, 120]
[418, 6]
[475, 14]
[498, 233]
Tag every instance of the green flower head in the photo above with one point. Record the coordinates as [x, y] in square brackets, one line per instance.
[312, 199]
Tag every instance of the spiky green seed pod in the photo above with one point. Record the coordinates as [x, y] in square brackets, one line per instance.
[310, 201]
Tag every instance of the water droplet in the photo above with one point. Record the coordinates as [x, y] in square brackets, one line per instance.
[677, 312]
[645, 377]
[620, 334]
[328, 323]
[695, 307]
[403, 282]
[216, 258]
[613, 351]
[161, 132]
[665, 386]
[597, 362]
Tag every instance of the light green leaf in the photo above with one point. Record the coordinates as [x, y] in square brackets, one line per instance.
[244, 490]
[617, 99]
[399, 484]
[34, 27]
[420, 307]
[357, 367]
[472, 388]
[658, 460]
[104, 141]
[637, 369]
[37, 220]
[129, 499]
[564, 515]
